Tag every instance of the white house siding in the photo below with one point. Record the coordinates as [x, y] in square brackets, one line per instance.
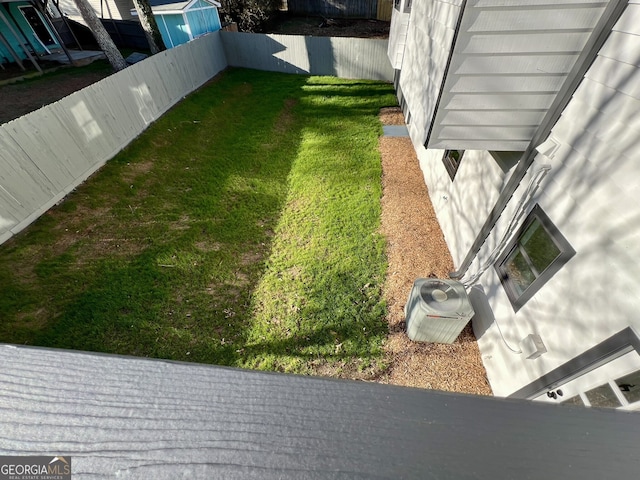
[510, 60]
[592, 194]
[462, 205]
[397, 37]
[107, 9]
[425, 58]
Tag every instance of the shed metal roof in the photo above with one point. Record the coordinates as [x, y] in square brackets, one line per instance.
[165, 5]
[170, 6]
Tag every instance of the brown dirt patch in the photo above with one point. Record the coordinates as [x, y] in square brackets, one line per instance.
[134, 170]
[285, 118]
[331, 27]
[85, 229]
[22, 97]
[207, 246]
[416, 248]
[391, 116]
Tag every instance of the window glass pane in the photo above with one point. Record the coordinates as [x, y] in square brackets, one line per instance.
[519, 272]
[539, 246]
[603, 396]
[574, 401]
[455, 156]
[630, 386]
[533, 256]
[451, 160]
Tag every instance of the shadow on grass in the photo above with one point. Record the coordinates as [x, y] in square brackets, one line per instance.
[324, 332]
[154, 262]
[161, 253]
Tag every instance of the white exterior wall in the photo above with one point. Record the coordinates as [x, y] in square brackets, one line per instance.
[425, 58]
[592, 194]
[462, 205]
[397, 37]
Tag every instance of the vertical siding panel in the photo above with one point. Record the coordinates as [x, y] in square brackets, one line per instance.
[122, 108]
[21, 177]
[195, 66]
[508, 50]
[210, 62]
[66, 152]
[154, 78]
[426, 52]
[24, 188]
[216, 53]
[25, 134]
[170, 77]
[321, 55]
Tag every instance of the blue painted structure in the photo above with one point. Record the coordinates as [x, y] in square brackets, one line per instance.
[180, 22]
[23, 26]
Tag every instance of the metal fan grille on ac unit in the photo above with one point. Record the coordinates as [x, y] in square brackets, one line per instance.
[441, 296]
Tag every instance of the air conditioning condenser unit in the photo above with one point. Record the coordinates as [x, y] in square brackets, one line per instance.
[437, 310]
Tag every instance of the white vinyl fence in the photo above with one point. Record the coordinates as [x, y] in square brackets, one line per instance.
[47, 153]
[342, 57]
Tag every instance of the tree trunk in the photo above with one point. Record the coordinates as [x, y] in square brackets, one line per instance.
[149, 25]
[102, 37]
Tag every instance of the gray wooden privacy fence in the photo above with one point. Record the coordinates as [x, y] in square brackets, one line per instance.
[334, 8]
[340, 57]
[47, 153]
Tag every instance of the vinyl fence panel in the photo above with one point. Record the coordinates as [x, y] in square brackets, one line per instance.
[359, 58]
[47, 153]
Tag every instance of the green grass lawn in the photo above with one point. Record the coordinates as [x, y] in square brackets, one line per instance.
[240, 229]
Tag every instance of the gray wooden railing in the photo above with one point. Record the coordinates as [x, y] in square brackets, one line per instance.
[121, 417]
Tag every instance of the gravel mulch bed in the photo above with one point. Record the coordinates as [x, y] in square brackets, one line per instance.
[331, 27]
[416, 248]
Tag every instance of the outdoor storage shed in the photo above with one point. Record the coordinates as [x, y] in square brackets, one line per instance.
[23, 27]
[180, 22]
